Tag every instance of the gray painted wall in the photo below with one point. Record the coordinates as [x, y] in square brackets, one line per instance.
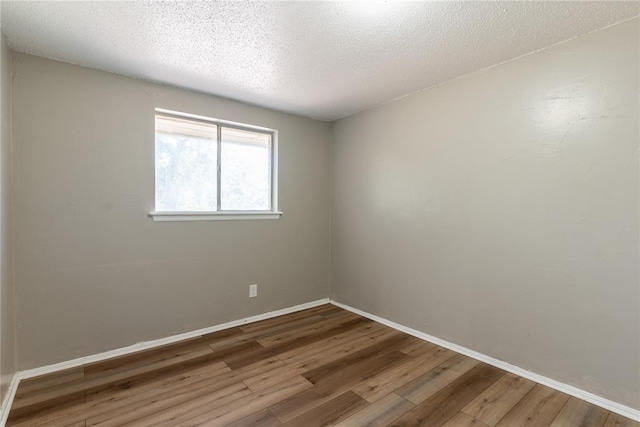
[7, 320]
[500, 212]
[94, 273]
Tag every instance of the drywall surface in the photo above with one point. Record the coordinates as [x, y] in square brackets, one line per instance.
[7, 318]
[93, 271]
[500, 212]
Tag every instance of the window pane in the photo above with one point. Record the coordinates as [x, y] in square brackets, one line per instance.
[186, 165]
[246, 170]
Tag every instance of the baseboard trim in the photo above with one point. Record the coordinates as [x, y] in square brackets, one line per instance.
[8, 399]
[565, 388]
[30, 373]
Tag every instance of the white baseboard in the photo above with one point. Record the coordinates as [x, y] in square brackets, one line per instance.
[8, 399]
[610, 405]
[30, 373]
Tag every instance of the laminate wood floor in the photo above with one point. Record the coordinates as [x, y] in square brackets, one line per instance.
[322, 366]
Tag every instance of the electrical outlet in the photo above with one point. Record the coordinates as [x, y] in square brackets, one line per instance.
[253, 291]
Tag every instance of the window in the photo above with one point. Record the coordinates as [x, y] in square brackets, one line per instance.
[211, 169]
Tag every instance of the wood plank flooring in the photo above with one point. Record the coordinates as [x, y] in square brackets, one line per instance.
[322, 366]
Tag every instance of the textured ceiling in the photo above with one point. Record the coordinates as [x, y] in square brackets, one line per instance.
[324, 60]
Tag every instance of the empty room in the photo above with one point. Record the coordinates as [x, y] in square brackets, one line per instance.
[320, 213]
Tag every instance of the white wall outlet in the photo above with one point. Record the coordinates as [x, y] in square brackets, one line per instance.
[253, 291]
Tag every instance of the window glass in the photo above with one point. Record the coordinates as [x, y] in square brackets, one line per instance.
[186, 165]
[246, 170]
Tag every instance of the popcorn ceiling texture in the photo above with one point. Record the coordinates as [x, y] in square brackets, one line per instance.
[325, 60]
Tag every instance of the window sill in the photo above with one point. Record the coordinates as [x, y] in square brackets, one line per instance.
[212, 216]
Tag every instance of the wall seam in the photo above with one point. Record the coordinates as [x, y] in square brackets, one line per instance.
[12, 214]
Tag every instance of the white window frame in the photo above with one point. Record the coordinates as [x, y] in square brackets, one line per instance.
[274, 213]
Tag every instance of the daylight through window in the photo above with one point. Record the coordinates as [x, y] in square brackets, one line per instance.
[208, 166]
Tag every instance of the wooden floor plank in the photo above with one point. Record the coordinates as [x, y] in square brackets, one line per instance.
[380, 413]
[262, 418]
[447, 402]
[292, 342]
[492, 405]
[615, 420]
[335, 383]
[388, 381]
[216, 371]
[434, 380]
[464, 420]
[244, 407]
[321, 366]
[83, 385]
[330, 413]
[281, 329]
[355, 339]
[30, 385]
[316, 335]
[113, 399]
[288, 318]
[32, 414]
[418, 347]
[577, 412]
[337, 311]
[278, 328]
[329, 370]
[159, 357]
[537, 408]
[298, 366]
[169, 414]
[182, 400]
[116, 364]
[219, 378]
[312, 329]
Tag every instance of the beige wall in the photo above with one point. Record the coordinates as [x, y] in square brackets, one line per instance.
[500, 211]
[7, 319]
[93, 272]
